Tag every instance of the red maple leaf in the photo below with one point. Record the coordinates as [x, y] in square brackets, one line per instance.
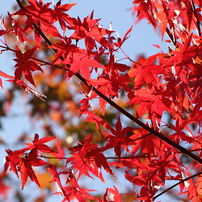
[145, 71]
[39, 144]
[121, 41]
[85, 105]
[81, 61]
[75, 191]
[63, 48]
[12, 160]
[60, 15]
[91, 31]
[119, 138]
[109, 85]
[87, 157]
[115, 193]
[152, 102]
[17, 29]
[25, 66]
[93, 118]
[145, 9]
[5, 76]
[40, 14]
[22, 161]
[25, 167]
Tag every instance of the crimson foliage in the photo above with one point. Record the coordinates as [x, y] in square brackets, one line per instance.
[149, 151]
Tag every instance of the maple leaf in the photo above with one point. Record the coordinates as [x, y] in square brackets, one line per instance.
[25, 167]
[63, 48]
[39, 144]
[109, 86]
[40, 14]
[145, 9]
[87, 157]
[115, 193]
[82, 61]
[25, 66]
[90, 30]
[121, 41]
[85, 105]
[12, 160]
[5, 76]
[183, 55]
[59, 15]
[145, 71]
[119, 139]
[152, 102]
[82, 162]
[23, 161]
[75, 191]
[18, 30]
[93, 118]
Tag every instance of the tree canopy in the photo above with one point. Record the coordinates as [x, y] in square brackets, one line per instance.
[132, 121]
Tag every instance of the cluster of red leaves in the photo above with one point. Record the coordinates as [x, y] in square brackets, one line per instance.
[164, 82]
[22, 161]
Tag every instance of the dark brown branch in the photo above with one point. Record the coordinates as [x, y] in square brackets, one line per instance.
[120, 109]
[181, 181]
[52, 157]
[171, 36]
[109, 157]
[196, 16]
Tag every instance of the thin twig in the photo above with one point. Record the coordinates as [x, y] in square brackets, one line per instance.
[197, 19]
[181, 181]
[52, 157]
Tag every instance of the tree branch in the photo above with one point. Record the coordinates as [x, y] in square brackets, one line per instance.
[197, 19]
[181, 181]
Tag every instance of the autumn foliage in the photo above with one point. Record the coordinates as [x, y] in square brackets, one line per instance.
[139, 119]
